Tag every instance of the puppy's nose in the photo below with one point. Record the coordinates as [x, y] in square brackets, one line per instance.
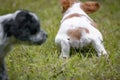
[45, 35]
[44, 38]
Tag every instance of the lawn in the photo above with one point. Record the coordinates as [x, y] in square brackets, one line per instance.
[43, 63]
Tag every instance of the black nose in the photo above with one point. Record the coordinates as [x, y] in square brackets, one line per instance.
[45, 35]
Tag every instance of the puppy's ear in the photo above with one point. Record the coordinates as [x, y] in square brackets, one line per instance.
[66, 4]
[7, 25]
[90, 6]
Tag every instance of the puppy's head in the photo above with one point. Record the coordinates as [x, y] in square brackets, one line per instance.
[25, 26]
[66, 4]
[89, 6]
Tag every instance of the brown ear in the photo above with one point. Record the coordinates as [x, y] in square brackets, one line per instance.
[66, 4]
[90, 6]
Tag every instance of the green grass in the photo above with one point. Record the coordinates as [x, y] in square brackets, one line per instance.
[43, 63]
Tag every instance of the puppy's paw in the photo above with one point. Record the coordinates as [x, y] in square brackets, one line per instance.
[64, 56]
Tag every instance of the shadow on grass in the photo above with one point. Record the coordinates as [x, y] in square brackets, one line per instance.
[88, 51]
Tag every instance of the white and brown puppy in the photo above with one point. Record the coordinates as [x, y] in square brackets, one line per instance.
[21, 27]
[77, 29]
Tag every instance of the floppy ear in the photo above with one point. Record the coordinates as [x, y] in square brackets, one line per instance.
[66, 4]
[90, 6]
[5, 28]
[8, 24]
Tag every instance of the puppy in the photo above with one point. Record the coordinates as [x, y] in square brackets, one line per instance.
[77, 29]
[21, 27]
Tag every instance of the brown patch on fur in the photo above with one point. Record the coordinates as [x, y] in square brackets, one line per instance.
[75, 34]
[90, 6]
[79, 15]
[73, 15]
[66, 4]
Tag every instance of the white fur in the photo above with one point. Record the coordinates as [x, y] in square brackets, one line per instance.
[94, 36]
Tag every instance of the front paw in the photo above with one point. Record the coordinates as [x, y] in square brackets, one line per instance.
[102, 54]
[64, 56]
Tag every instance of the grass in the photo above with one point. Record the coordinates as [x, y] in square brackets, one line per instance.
[43, 63]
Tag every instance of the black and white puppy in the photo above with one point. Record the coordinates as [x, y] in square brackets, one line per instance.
[21, 27]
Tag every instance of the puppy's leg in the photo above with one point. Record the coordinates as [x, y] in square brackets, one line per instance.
[65, 49]
[3, 72]
[99, 47]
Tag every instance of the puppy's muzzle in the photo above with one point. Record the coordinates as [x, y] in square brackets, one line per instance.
[39, 38]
